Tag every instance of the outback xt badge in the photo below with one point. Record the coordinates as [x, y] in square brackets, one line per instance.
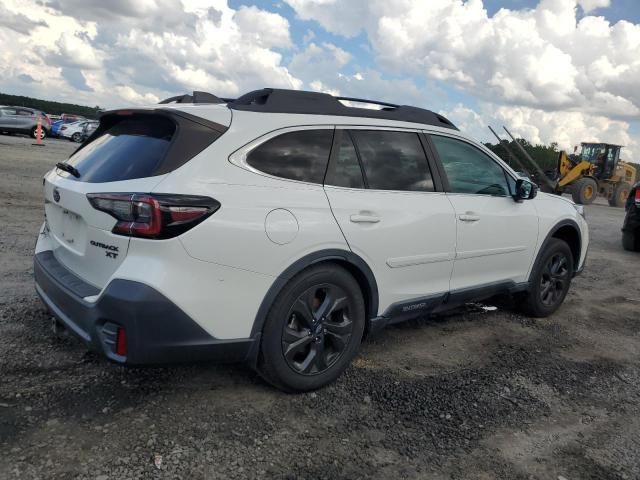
[111, 250]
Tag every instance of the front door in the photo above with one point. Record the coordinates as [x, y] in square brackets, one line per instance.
[496, 236]
[8, 117]
[382, 194]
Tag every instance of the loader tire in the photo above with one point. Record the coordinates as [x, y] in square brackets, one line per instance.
[584, 191]
[620, 194]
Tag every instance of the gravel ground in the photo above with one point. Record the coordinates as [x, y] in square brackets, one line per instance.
[469, 395]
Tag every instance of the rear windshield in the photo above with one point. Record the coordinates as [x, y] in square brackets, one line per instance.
[132, 148]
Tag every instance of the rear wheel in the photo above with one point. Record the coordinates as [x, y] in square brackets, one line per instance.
[550, 280]
[313, 329]
[584, 191]
[34, 133]
[619, 196]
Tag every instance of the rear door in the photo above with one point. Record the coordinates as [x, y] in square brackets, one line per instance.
[383, 194]
[496, 236]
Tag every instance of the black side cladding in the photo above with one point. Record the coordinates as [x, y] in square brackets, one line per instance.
[191, 136]
[272, 100]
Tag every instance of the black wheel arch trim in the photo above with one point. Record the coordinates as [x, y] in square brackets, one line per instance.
[551, 234]
[355, 261]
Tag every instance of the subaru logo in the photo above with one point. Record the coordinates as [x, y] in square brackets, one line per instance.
[56, 194]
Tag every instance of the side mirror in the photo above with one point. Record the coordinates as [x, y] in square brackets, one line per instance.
[525, 190]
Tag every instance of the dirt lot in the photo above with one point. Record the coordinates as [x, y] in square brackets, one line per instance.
[472, 395]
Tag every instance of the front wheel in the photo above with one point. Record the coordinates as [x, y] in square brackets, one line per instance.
[584, 191]
[550, 280]
[313, 329]
[76, 137]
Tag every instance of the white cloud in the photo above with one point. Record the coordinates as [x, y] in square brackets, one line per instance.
[567, 129]
[135, 52]
[264, 28]
[590, 5]
[540, 58]
[553, 72]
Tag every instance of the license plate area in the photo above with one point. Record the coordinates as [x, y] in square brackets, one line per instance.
[68, 228]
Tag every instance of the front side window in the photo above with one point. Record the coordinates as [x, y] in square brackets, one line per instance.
[8, 111]
[468, 169]
[344, 168]
[393, 160]
[300, 155]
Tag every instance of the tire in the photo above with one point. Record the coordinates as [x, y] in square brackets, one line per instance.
[76, 137]
[321, 346]
[550, 280]
[43, 133]
[584, 191]
[631, 241]
[620, 194]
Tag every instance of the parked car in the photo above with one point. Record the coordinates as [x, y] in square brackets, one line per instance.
[631, 226]
[64, 119]
[282, 227]
[88, 129]
[76, 131]
[23, 120]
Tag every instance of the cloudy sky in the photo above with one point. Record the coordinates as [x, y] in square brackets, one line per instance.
[552, 70]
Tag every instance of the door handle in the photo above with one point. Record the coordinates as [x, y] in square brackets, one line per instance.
[364, 218]
[469, 217]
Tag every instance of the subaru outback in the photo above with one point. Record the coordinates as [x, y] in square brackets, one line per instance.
[282, 227]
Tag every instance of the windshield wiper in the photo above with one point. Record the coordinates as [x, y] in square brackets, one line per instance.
[68, 168]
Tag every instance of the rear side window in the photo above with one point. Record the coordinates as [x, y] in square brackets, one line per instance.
[301, 155]
[393, 160]
[344, 168]
[132, 148]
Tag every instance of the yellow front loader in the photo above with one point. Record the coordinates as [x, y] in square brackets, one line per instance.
[596, 170]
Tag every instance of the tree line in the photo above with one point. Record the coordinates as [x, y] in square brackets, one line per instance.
[46, 106]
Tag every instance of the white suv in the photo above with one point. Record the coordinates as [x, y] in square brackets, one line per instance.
[282, 227]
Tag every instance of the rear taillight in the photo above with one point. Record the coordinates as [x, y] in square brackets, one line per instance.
[121, 342]
[153, 215]
[637, 199]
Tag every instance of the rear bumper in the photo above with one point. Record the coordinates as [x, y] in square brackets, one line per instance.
[157, 331]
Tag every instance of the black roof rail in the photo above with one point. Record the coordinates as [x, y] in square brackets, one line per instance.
[197, 97]
[273, 100]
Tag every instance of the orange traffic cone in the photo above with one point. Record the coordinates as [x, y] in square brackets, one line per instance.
[39, 134]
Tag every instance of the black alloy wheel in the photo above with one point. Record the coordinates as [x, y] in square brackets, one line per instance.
[313, 329]
[554, 279]
[318, 329]
[549, 281]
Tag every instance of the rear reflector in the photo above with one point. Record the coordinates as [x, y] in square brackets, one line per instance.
[153, 215]
[121, 342]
